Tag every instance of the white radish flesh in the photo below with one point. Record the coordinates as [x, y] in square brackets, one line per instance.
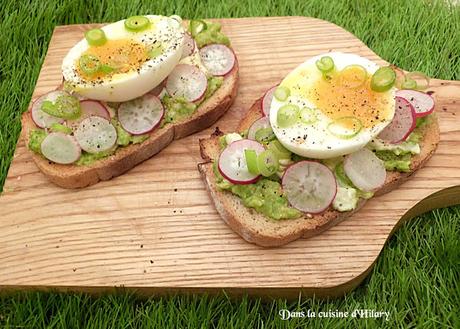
[218, 59]
[187, 81]
[89, 108]
[365, 170]
[267, 101]
[403, 123]
[258, 124]
[96, 134]
[232, 161]
[309, 186]
[60, 148]
[41, 118]
[188, 46]
[141, 115]
[422, 103]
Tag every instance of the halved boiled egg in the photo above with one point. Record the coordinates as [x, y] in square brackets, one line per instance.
[335, 113]
[124, 60]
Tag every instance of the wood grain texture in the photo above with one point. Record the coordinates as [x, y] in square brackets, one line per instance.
[155, 230]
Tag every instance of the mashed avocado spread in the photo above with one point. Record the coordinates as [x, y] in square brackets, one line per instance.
[265, 196]
[210, 34]
[397, 157]
[177, 108]
[36, 138]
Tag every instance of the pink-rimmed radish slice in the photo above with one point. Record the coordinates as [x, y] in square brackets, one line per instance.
[41, 118]
[141, 115]
[232, 161]
[403, 123]
[258, 124]
[267, 101]
[60, 148]
[422, 103]
[93, 108]
[365, 170]
[309, 186]
[89, 108]
[95, 134]
[188, 46]
[187, 81]
[218, 59]
[158, 90]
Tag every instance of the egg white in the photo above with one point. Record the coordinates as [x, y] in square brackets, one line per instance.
[315, 140]
[126, 86]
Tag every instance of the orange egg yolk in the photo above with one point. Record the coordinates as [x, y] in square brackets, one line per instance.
[122, 56]
[343, 95]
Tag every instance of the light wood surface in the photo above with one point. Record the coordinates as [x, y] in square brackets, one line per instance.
[155, 230]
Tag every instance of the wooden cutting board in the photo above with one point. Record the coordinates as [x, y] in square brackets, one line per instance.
[155, 229]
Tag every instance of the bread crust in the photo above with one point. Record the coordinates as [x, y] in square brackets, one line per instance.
[256, 228]
[125, 158]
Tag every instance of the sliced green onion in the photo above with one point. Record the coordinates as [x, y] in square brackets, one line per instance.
[66, 107]
[282, 93]
[95, 37]
[353, 76]
[287, 115]
[279, 150]
[251, 161]
[197, 26]
[338, 127]
[155, 51]
[325, 64]
[342, 178]
[214, 27]
[89, 64]
[268, 163]
[409, 84]
[106, 69]
[59, 128]
[383, 79]
[137, 23]
[307, 115]
[421, 79]
[265, 135]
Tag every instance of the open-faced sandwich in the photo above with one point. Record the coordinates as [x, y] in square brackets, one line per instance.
[130, 88]
[337, 131]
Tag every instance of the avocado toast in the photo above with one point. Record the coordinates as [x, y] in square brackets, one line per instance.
[87, 130]
[260, 210]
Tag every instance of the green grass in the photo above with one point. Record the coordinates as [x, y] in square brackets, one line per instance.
[417, 276]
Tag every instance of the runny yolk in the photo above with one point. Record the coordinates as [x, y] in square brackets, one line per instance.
[335, 99]
[122, 55]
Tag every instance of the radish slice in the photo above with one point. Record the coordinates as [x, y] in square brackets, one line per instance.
[403, 122]
[141, 115]
[188, 46]
[218, 59]
[365, 170]
[157, 91]
[422, 103]
[89, 108]
[41, 118]
[187, 81]
[232, 162]
[267, 101]
[258, 124]
[93, 108]
[60, 148]
[96, 134]
[309, 186]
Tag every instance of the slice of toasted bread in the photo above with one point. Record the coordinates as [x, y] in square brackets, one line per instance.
[256, 228]
[125, 158]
